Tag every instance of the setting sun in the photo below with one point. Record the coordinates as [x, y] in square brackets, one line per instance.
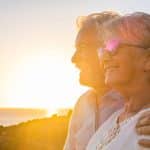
[43, 81]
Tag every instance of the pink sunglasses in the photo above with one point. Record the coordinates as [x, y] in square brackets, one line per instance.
[110, 46]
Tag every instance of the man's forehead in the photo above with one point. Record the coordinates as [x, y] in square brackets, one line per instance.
[86, 36]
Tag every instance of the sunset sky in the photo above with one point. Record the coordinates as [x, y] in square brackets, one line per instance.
[36, 44]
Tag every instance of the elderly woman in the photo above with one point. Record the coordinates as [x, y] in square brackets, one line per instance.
[125, 57]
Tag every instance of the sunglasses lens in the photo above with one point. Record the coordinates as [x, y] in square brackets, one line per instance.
[112, 45]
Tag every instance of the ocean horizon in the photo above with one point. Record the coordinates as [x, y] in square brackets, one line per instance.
[14, 116]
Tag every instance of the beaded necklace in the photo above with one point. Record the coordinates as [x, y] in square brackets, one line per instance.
[112, 133]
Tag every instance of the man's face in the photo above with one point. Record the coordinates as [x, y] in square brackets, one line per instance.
[86, 58]
[123, 66]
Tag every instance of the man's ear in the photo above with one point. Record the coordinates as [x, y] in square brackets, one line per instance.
[147, 61]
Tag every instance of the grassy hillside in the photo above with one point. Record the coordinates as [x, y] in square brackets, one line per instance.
[39, 134]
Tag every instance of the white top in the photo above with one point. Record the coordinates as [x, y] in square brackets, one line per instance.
[110, 136]
[87, 117]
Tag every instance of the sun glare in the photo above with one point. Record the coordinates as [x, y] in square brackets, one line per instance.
[42, 81]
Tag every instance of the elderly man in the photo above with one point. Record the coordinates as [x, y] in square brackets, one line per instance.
[125, 57]
[95, 106]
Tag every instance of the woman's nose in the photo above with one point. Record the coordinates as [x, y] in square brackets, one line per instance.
[106, 56]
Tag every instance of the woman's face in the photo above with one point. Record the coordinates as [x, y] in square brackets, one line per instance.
[122, 64]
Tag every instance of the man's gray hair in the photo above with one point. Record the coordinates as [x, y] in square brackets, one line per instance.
[99, 18]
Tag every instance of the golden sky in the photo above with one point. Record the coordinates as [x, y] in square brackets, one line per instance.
[36, 45]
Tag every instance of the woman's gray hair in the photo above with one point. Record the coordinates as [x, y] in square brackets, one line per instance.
[131, 29]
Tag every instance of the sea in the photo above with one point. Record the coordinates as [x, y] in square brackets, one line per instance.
[14, 116]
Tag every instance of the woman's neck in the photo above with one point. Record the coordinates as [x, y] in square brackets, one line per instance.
[137, 95]
[135, 105]
[136, 98]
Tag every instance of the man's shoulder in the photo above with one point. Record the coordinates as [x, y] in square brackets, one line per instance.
[83, 108]
[88, 93]
[87, 96]
[87, 99]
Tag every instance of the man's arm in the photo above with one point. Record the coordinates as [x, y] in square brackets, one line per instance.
[143, 128]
